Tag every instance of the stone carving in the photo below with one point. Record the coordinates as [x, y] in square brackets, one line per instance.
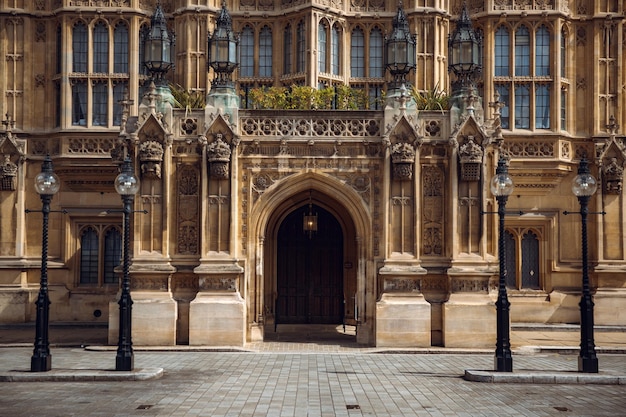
[157, 283]
[151, 157]
[313, 127]
[470, 285]
[526, 149]
[91, 146]
[217, 284]
[401, 285]
[471, 156]
[218, 155]
[402, 157]
[8, 174]
[613, 177]
[188, 199]
[432, 211]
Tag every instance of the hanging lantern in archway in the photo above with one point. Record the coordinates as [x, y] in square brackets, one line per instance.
[310, 220]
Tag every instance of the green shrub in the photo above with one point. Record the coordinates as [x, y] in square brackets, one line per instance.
[433, 99]
[185, 99]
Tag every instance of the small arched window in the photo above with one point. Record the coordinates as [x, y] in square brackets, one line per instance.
[100, 48]
[357, 53]
[287, 48]
[89, 249]
[246, 67]
[321, 48]
[120, 54]
[376, 65]
[79, 48]
[265, 52]
[335, 50]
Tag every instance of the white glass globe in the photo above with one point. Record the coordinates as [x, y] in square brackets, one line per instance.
[584, 185]
[47, 183]
[501, 185]
[126, 183]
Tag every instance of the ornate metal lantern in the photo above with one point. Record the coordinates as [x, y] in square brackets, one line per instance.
[465, 49]
[400, 48]
[223, 48]
[157, 45]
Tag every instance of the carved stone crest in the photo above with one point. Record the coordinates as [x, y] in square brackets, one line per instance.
[402, 157]
[151, 157]
[471, 158]
[613, 177]
[8, 174]
[218, 155]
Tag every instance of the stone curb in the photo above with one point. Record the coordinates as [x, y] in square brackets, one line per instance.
[81, 375]
[539, 377]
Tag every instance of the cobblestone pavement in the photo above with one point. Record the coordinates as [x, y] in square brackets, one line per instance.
[305, 384]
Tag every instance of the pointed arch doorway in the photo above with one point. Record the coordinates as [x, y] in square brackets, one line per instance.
[310, 270]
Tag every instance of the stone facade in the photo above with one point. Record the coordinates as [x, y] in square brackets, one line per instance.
[408, 189]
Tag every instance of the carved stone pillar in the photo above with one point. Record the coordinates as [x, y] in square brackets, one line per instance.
[402, 313]
[469, 315]
[217, 316]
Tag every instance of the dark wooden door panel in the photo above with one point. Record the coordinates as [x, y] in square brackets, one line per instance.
[310, 271]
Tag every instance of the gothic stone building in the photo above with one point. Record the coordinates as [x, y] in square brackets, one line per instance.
[406, 246]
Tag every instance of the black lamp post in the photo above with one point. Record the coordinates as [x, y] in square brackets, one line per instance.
[158, 44]
[127, 185]
[502, 187]
[465, 50]
[400, 49]
[47, 184]
[583, 187]
[223, 46]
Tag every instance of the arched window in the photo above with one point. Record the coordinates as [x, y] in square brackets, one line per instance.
[321, 48]
[357, 53]
[335, 50]
[100, 103]
[79, 48]
[97, 85]
[119, 89]
[502, 52]
[100, 253]
[511, 260]
[542, 52]
[523, 259]
[89, 250]
[100, 48]
[120, 56]
[522, 52]
[301, 45]
[287, 49]
[376, 65]
[522, 107]
[246, 67]
[542, 107]
[530, 261]
[503, 91]
[527, 93]
[563, 53]
[79, 103]
[265, 52]
[112, 254]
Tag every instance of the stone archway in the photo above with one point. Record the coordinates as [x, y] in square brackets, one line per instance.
[310, 284]
[343, 204]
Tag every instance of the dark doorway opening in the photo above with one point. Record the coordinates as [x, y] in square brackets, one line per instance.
[310, 270]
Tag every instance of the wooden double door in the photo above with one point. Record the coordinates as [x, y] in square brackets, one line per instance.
[310, 270]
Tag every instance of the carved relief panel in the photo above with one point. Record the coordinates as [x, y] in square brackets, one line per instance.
[218, 151]
[433, 209]
[188, 201]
